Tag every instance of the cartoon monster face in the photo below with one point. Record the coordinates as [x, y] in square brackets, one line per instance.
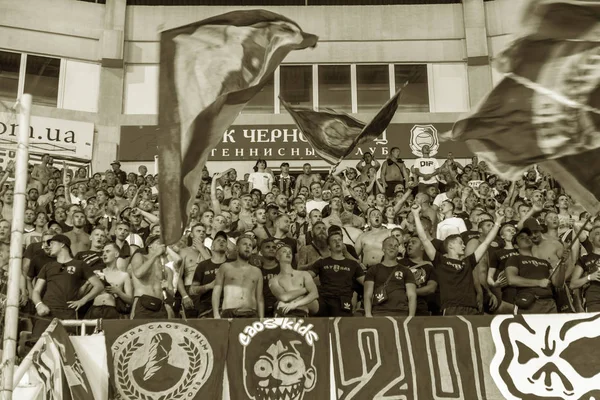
[547, 356]
[283, 372]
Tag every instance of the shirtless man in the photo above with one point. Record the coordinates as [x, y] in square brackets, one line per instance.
[305, 179]
[241, 284]
[116, 284]
[152, 282]
[295, 290]
[548, 246]
[368, 245]
[261, 219]
[192, 256]
[394, 172]
[424, 201]
[80, 240]
[246, 220]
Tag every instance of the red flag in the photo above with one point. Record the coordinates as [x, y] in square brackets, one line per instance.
[334, 135]
[209, 70]
[546, 109]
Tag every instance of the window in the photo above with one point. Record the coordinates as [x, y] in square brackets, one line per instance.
[9, 75]
[335, 88]
[415, 97]
[262, 102]
[141, 89]
[296, 85]
[373, 86]
[41, 79]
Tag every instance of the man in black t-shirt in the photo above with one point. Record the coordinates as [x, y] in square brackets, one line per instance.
[424, 274]
[454, 271]
[531, 276]
[392, 280]
[62, 280]
[497, 269]
[36, 256]
[203, 282]
[336, 274]
[587, 273]
[93, 257]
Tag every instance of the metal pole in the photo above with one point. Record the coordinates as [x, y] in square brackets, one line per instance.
[11, 319]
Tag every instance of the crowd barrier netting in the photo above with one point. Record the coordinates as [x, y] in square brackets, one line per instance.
[472, 358]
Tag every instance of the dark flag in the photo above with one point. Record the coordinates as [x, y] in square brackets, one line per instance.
[209, 70]
[166, 359]
[546, 109]
[278, 359]
[74, 375]
[334, 135]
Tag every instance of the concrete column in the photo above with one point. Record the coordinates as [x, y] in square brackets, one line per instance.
[478, 59]
[110, 96]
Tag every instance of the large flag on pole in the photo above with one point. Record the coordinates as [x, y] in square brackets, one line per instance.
[334, 135]
[209, 70]
[546, 109]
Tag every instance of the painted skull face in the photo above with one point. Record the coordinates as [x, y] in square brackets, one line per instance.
[547, 357]
[283, 372]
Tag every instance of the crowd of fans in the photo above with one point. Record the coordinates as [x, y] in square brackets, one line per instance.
[380, 239]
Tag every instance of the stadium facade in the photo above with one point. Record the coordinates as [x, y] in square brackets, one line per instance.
[93, 71]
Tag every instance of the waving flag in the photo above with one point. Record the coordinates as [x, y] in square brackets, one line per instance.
[209, 70]
[334, 135]
[546, 110]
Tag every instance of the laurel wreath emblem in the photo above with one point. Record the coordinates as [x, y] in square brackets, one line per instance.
[128, 389]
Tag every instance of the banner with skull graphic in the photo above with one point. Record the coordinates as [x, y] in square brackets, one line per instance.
[279, 359]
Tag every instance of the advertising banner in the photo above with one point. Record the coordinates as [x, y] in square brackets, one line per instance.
[57, 137]
[286, 142]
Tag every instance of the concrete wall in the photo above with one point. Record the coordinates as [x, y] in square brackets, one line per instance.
[114, 35]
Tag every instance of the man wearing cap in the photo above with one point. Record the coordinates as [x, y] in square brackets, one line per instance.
[368, 245]
[35, 257]
[532, 277]
[241, 285]
[60, 281]
[295, 290]
[152, 282]
[337, 275]
[121, 175]
[203, 281]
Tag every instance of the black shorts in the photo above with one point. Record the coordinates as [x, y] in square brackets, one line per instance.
[104, 312]
[332, 307]
[239, 313]
[140, 312]
[291, 314]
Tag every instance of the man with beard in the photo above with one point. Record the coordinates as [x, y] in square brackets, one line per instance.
[337, 274]
[93, 257]
[532, 277]
[317, 249]
[496, 276]
[152, 282]
[116, 284]
[299, 228]
[191, 256]
[269, 268]
[423, 272]
[282, 228]
[587, 272]
[203, 281]
[398, 282]
[241, 284]
[80, 240]
[368, 245]
[295, 290]
[455, 271]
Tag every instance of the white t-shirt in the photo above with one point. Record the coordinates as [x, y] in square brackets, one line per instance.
[315, 205]
[450, 226]
[427, 166]
[439, 199]
[260, 181]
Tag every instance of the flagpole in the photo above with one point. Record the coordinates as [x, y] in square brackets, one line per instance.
[11, 318]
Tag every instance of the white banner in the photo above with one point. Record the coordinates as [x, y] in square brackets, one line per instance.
[57, 137]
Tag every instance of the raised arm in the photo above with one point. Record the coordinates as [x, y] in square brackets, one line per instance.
[213, 194]
[427, 245]
[483, 247]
